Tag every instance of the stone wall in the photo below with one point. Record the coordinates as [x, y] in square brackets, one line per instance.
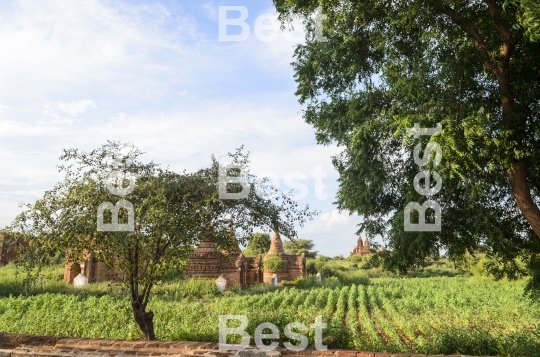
[12, 345]
[96, 271]
[209, 263]
[9, 247]
[296, 268]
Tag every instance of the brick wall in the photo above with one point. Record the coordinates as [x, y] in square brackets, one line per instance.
[296, 267]
[9, 247]
[12, 345]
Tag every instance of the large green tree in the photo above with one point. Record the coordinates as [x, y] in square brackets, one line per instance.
[471, 65]
[172, 213]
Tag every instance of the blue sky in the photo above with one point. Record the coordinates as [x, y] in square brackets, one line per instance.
[154, 73]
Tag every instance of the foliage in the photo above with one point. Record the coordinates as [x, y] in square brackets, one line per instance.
[320, 262]
[417, 315]
[311, 282]
[326, 271]
[480, 268]
[371, 261]
[473, 67]
[528, 18]
[274, 263]
[310, 268]
[258, 244]
[172, 211]
[300, 246]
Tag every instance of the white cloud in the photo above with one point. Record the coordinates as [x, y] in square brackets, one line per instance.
[54, 44]
[56, 112]
[336, 218]
[154, 80]
[76, 108]
[331, 220]
[3, 109]
[211, 9]
[14, 129]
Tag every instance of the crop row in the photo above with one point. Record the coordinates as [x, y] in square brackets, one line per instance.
[438, 315]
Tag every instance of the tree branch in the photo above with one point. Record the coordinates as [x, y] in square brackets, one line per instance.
[497, 18]
[473, 32]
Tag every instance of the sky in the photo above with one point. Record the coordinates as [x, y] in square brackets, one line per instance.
[74, 74]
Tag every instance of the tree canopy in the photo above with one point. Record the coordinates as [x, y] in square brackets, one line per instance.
[300, 246]
[171, 213]
[258, 244]
[471, 66]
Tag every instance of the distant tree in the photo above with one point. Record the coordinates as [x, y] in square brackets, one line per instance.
[258, 244]
[300, 246]
[172, 213]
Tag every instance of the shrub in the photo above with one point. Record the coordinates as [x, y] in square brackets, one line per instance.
[371, 261]
[326, 271]
[480, 269]
[320, 262]
[311, 268]
[353, 277]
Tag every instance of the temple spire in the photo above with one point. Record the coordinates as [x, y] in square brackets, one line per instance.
[276, 245]
[233, 242]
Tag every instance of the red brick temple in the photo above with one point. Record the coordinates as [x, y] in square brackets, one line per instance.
[296, 264]
[362, 247]
[207, 262]
[96, 271]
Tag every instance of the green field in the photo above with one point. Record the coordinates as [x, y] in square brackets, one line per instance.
[426, 315]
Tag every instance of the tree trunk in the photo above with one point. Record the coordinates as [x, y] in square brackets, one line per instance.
[518, 170]
[145, 320]
[522, 193]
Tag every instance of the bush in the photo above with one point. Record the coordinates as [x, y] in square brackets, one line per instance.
[331, 282]
[320, 262]
[274, 264]
[371, 261]
[480, 269]
[311, 268]
[357, 277]
[326, 271]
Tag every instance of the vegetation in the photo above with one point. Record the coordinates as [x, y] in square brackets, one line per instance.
[470, 66]
[460, 315]
[300, 246]
[171, 213]
[274, 263]
[258, 244]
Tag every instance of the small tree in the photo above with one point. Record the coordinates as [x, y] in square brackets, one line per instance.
[172, 213]
[259, 244]
[300, 246]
